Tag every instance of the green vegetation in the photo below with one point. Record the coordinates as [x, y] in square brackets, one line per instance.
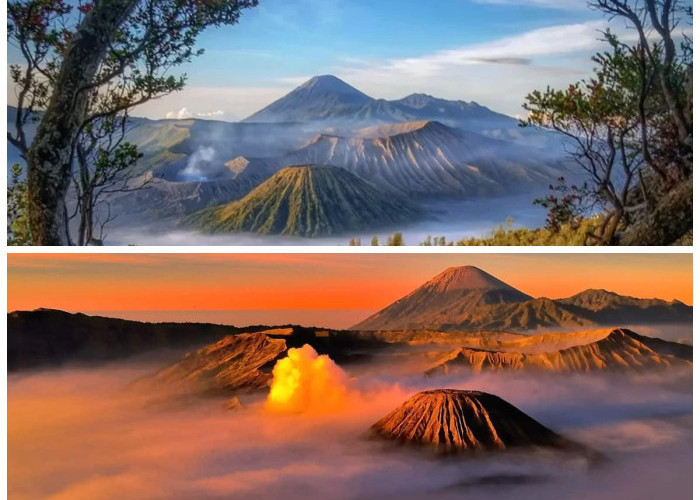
[84, 67]
[629, 129]
[18, 231]
[308, 201]
[576, 233]
[567, 234]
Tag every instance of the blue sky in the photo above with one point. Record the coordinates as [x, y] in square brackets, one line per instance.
[489, 51]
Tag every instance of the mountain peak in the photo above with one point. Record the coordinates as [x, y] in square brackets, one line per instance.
[307, 200]
[319, 98]
[466, 278]
[393, 129]
[450, 420]
[329, 84]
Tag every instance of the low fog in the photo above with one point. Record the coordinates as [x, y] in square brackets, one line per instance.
[90, 434]
[453, 219]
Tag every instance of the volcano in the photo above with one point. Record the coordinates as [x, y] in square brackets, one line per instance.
[328, 99]
[612, 349]
[320, 98]
[307, 200]
[445, 299]
[449, 421]
[428, 158]
[236, 363]
[469, 299]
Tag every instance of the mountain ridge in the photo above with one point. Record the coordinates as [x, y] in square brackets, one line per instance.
[618, 349]
[429, 158]
[511, 310]
[339, 101]
[307, 200]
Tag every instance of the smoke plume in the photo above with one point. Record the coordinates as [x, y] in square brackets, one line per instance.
[306, 382]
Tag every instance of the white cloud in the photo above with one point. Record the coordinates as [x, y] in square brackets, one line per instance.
[227, 103]
[497, 74]
[518, 49]
[182, 114]
[185, 113]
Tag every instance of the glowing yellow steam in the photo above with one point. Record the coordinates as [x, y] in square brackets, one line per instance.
[305, 381]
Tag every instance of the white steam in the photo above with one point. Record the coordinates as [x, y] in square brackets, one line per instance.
[196, 164]
[306, 382]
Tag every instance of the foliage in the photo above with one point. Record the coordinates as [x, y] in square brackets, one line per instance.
[628, 126]
[106, 164]
[18, 231]
[435, 241]
[567, 234]
[86, 65]
[564, 205]
[395, 240]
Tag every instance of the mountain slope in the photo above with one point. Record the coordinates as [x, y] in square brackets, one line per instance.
[46, 337]
[327, 98]
[449, 420]
[309, 201]
[428, 158]
[233, 364]
[529, 315]
[608, 307]
[320, 98]
[445, 299]
[615, 349]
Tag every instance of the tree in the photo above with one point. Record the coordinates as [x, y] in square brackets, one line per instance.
[395, 240]
[627, 127]
[18, 232]
[661, 17]
[375, 241]
[106, 164]
[89, 62]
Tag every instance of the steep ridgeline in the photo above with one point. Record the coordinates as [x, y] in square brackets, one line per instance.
[498, 306]
[427, 158]
[48, 337]
[529, 315]
[616, 349]
[161, 199]
[445, 299]
[307, 201]
[320, 98]
[450, 421]
[608, 307]
[243, 363]
[327, 98]
[236, 363]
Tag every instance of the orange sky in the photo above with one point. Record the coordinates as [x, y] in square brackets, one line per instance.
[172, 282]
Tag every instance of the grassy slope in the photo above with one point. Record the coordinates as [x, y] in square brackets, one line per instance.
[307, 201]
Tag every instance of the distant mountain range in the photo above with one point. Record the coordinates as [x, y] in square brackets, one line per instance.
[50, 337]
[227, 358]
[467, 298]
[307, 200]
[611, 349]
[420, 146]
[327, 98]
[430, 159]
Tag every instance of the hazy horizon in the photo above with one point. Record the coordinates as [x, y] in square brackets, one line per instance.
[188, 282]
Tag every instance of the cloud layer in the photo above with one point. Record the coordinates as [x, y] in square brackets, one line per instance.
[83, 434]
